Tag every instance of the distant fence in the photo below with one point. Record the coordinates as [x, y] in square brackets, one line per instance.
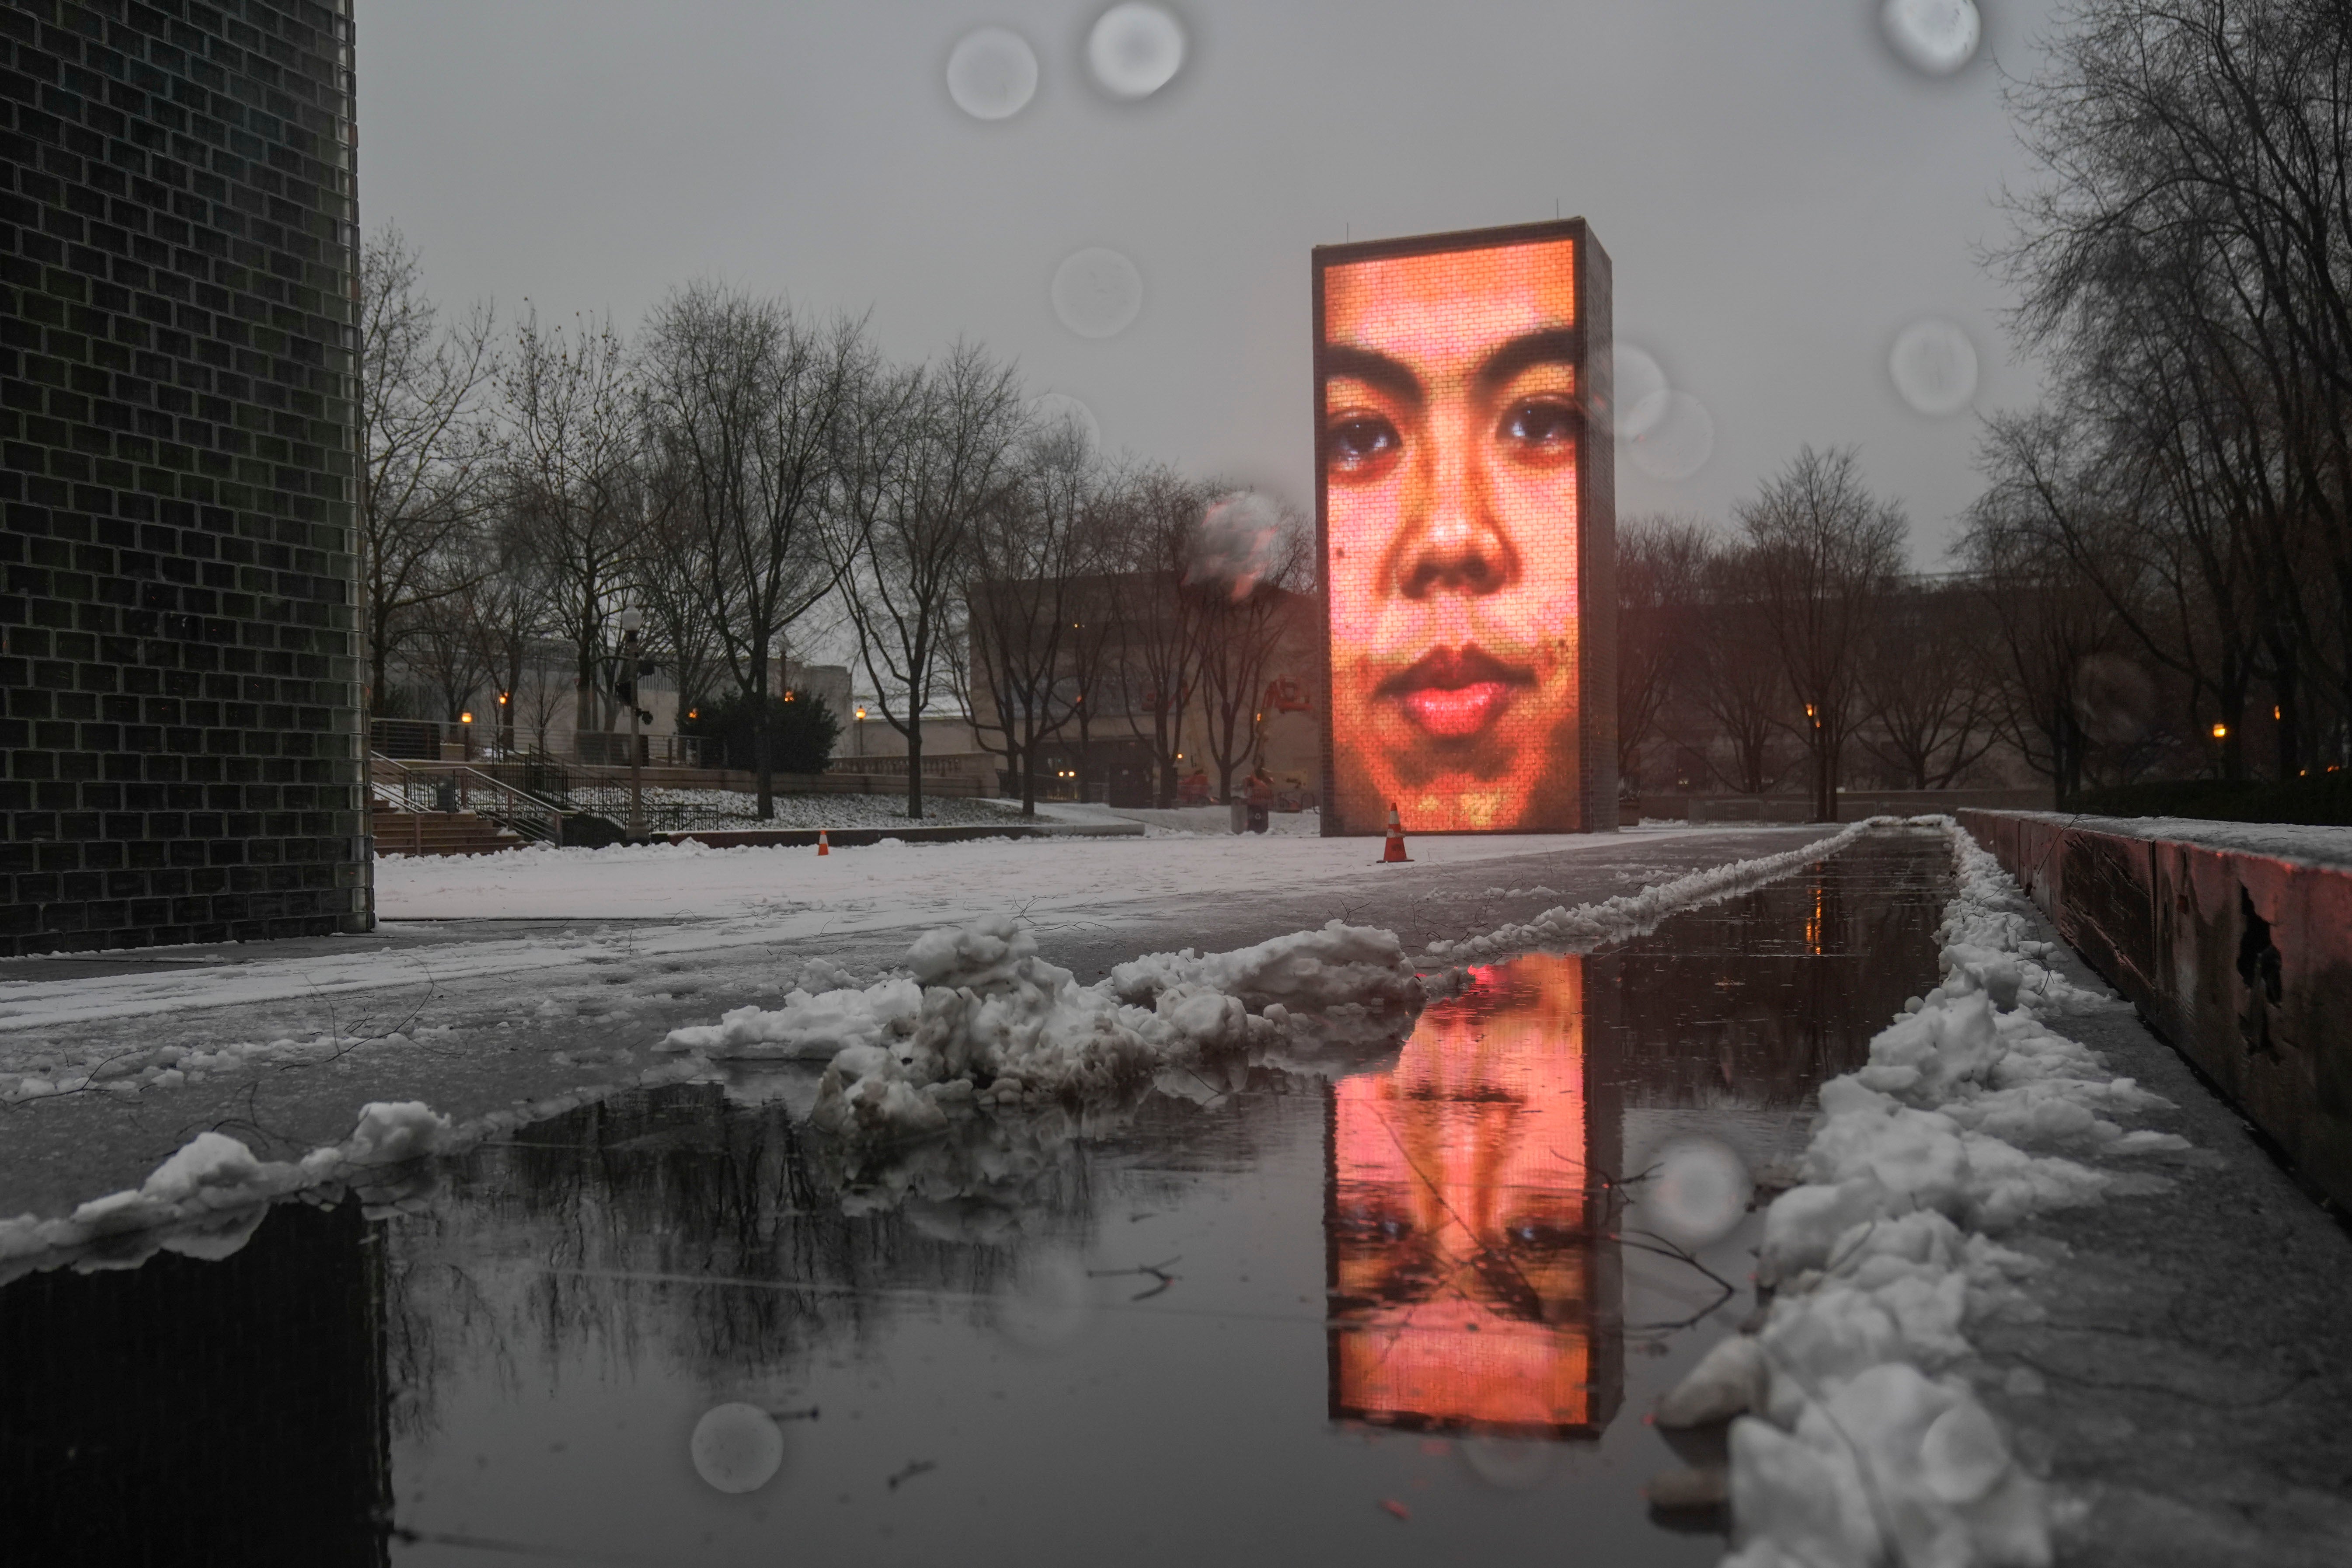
[454, 740]
[961, 772]
[1852, 805]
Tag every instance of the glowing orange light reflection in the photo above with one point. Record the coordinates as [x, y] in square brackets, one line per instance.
[1463, 1226]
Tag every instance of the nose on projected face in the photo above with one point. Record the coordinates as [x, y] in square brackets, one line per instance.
[1452, 480]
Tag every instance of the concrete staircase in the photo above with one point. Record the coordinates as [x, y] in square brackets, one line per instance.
[440, 833]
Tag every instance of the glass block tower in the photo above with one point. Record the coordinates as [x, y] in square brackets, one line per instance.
[180, 753]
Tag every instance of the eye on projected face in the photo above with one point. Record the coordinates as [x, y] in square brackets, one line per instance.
[1451, 437]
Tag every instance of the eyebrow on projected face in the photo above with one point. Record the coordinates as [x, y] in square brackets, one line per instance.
[1550, 345]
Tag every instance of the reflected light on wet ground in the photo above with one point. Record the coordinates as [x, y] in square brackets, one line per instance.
[1233, 1327]
[1464, 1227]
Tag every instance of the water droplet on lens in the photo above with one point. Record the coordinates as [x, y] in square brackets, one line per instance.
[1679, 443]
[1937, 37]
[1934, 366]
[737, 1448]
[1698, 1191]
[1097, 292]
[1049, 1304]
[992, 73]
[1509, 1464]
[1641, 391]
[1055, 410]
[1135, 49]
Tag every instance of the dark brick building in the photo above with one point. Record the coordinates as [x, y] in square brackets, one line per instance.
[178, 246]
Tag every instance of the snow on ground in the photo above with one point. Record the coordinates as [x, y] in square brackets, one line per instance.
[719, 899]
[1854, 1442]
[980, 1018]
[889, 883]
[1587, 926]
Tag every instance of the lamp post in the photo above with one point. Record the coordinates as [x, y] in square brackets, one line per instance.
[467, 719]
[631, 621]
[858, 733]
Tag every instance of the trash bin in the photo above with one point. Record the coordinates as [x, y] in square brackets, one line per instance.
[445, 795]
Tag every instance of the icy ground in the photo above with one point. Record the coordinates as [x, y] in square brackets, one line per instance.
[2016, 1307]
[512, 981]
[797, 893]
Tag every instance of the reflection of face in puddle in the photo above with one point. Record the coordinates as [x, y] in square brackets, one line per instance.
[1463, 1219]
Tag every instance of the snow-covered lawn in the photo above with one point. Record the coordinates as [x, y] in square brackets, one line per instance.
[727, 808]
[798, 891]
[726, 898]
[705, 809]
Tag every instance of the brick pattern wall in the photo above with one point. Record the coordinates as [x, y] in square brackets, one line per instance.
[177, 635]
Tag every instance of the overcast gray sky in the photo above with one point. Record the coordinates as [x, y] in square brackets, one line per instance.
[1781, 194]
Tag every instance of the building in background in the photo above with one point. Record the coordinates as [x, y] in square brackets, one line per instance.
[177, 362]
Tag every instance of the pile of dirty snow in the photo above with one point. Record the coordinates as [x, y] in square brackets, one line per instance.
[980, 1017]
[205, 1199]
[1851, 1442]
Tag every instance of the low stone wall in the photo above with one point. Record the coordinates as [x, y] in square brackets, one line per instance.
[2235, 940]
[1853, 805]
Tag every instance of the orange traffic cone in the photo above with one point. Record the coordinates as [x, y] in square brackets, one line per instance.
[1395, 850]
[823, 847]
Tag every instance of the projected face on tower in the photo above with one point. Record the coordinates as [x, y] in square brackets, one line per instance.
[1453, 456]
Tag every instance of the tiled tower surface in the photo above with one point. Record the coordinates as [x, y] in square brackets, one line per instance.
[178, 246]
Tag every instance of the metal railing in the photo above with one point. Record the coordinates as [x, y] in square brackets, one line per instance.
[453, 786]
[936, 764]
[442, 741]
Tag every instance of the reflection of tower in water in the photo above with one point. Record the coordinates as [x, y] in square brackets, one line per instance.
[1466, 1219]
[194, 1412]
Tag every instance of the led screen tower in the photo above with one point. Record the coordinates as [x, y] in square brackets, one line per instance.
[1467, 518]
[180, 750]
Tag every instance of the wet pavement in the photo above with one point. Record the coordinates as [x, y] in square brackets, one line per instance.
[1394, 1304]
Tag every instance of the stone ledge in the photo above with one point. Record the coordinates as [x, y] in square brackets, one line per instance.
[2235, 940]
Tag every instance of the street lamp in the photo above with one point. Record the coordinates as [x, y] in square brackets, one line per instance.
[858, 733]
[2220, 732]
[467, 719]
[632, 621]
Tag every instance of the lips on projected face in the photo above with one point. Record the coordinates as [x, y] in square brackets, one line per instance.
[1456, 694]
[1451, 435]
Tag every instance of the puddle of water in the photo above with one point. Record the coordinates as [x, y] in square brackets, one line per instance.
[1405, 1309]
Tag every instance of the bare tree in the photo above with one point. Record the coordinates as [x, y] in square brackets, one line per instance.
[925, 455]
[574, 486]
[508, 618]
[1251, 562]
[2055, 617]
[2181, 265]
[1028, 551]
[1739, 678]
[744, 401]
[1661, 564]
[1926, 702]
[422, 456]
[1824, 551]
[446, 656]
[1161, 628]
[673, 583]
